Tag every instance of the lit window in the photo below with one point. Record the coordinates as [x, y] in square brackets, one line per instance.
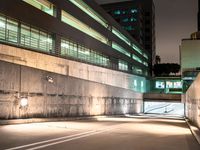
[134, 11]
[72, 21]
[133, 19]
[122, 65]
[88, 10]
[24, 35]
[145, 56]
[117, 12]
[169, 84]
[12, 31]
[43, 5]
[128, 28]
[135, 83]
[120, 49]
[2, 28]
[142, 84]
[34, 38]
[136, 58]
[121, 36]
[160, 84]
[137, 49]
[125, 20]
[178, 84]
[77, 51]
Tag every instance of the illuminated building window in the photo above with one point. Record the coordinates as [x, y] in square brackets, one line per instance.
[43, 5]
[137, 70]
[75, 23]
[126, 40]
[169, 84]
[145, 63]
[120, 49]
[121, 36]
[178, 84]
[77, 51]
[8, 30]
[117, 12]
[133, 19]
[122, 65]
[11, 31]
[136, 58]
[160, 84]
[88, 10]
[142, 84]
[125, 20]
[133, 11]
[128, 28]
[137, 49]
[173, 84]
[145, 56]
[24, 35]
[34, 38]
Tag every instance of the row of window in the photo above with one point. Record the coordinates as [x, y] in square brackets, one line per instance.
[43, 5]
[128, 28]
[120, 12]
[88, 10]
[74, 50]
[18, 33]
[168, 84]
[49, 8]
[131, 19]
[11, 31]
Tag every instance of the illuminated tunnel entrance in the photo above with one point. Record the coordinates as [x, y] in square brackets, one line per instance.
[164, 104]
[164, 108]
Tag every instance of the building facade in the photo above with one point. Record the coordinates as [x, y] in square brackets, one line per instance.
[68, 58]
[69, 30]
[138, 18]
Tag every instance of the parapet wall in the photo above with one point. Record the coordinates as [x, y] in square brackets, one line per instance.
[192, 101]
[63, 96]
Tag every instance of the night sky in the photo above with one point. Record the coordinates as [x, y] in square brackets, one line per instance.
[175, 20]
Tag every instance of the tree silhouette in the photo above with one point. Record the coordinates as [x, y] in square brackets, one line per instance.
[158, 60]
[165, 69]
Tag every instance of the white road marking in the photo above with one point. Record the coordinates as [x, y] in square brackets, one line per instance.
[46, 141]
[63, 139]
[67, 140]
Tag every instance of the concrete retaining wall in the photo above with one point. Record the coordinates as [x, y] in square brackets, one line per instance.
[192, 100]
[71, 68]
[66, 96]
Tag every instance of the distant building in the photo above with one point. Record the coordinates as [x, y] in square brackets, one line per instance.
[138, 18]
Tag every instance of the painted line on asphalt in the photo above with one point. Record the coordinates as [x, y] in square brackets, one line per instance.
[64, 139]
[46, 141]
[71, 139]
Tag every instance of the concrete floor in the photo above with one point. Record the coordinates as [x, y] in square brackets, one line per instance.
[103, 134]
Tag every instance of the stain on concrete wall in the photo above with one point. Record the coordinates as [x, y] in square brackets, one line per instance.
[65, 96]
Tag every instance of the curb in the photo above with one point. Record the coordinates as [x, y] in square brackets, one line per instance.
[39, 120]
[195, 131]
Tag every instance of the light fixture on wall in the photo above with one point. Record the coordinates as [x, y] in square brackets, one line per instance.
[49, 79]
[23, 102]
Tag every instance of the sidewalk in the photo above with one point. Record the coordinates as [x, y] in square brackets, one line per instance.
[36, 120]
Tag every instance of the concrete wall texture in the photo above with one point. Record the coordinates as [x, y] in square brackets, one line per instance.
[192, 101]
[66, 96]
[71, 68]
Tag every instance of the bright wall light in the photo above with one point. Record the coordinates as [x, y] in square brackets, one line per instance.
[24, 102]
